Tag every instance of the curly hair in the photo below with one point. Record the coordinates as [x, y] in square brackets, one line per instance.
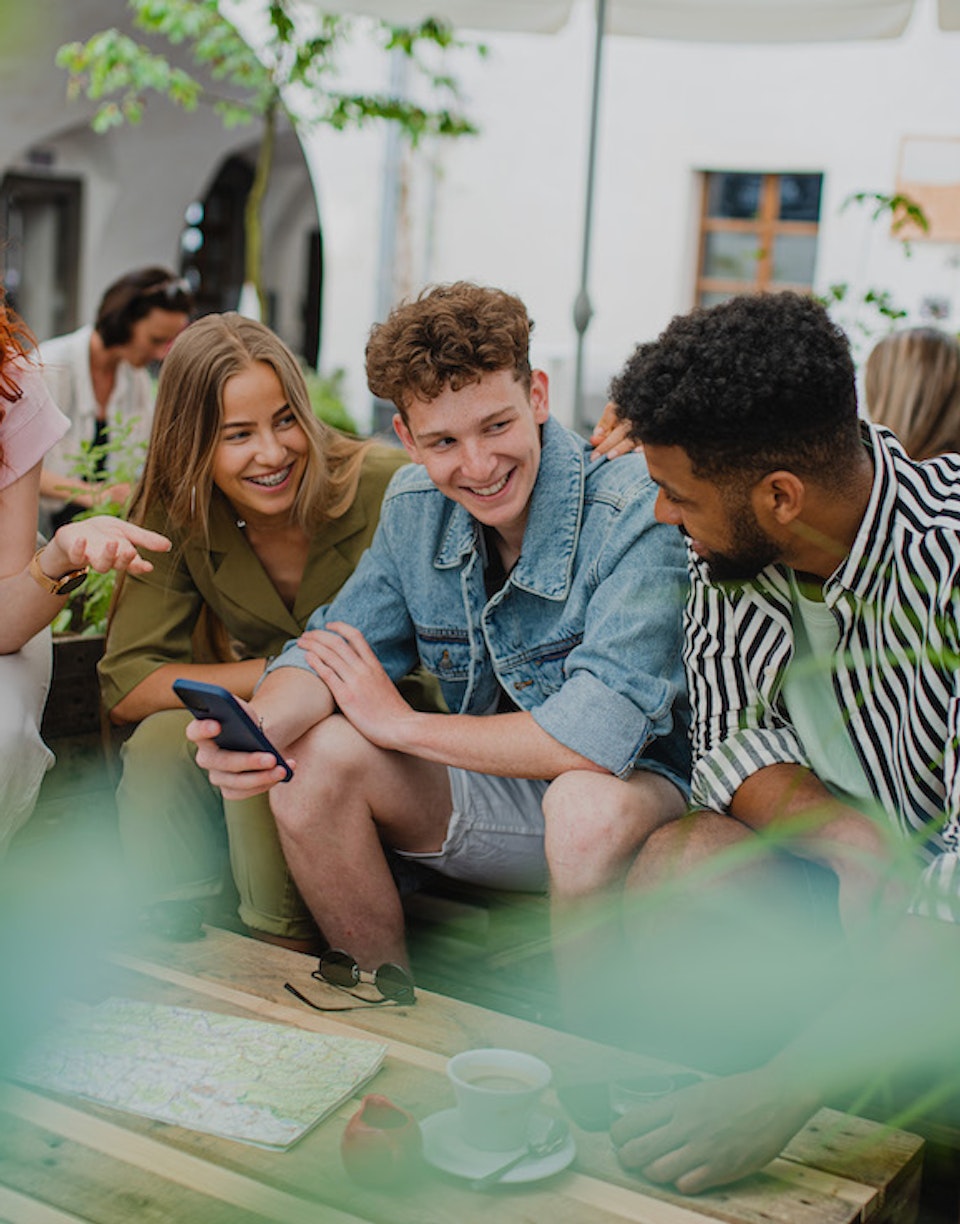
[757, 383]
[449, 336]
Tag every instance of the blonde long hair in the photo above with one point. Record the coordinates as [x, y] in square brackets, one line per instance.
[912, 385]
[188, 417]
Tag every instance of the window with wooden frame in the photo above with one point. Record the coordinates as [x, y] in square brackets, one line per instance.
[758, 232]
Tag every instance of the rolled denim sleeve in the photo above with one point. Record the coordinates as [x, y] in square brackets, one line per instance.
[623, 685]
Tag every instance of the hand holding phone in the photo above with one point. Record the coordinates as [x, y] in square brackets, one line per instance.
[238, 732]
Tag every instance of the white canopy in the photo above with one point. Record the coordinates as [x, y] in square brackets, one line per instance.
[738, 21]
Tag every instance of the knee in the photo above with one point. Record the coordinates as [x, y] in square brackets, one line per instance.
[330, 764]
[595, 824]
[589, 831]
[158, 744]
[160, 732]
[683, 845]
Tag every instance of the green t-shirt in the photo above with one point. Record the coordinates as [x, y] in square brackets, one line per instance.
[812, 705]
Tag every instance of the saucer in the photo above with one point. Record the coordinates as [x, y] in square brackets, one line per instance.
[444, 1149]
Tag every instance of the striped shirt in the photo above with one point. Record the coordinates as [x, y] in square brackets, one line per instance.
[896, 599]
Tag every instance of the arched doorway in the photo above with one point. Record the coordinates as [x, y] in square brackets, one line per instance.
[212, 245]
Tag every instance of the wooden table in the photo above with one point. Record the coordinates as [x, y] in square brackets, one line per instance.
[62, 1160]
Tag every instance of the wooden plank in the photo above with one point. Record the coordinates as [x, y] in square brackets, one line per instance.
[281, 1013]
[775, 1194]
[18, 1209]
[47, 1176]
[436, 1023]
[865, 1149]
[879, 1156]
[178, 1167]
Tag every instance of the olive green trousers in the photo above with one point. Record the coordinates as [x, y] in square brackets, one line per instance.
[178, 833]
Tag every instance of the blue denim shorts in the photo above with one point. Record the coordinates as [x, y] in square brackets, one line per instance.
[495, 833]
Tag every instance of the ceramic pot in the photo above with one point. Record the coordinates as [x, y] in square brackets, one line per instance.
[381, 1145]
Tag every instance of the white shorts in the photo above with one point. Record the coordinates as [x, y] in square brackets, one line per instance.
[495, 834]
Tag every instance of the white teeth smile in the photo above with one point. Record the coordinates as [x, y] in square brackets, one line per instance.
[491, 490]
[269, 482]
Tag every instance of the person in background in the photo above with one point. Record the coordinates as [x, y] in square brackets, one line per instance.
[269, 510]
[34, 583]
[98, 377]
[912, 385]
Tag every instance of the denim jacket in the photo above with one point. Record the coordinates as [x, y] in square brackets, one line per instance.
[585, 632]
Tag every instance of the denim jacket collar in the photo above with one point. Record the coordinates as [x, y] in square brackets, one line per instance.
[546, 561]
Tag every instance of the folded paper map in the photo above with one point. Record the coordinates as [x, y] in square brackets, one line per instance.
[241, 1079]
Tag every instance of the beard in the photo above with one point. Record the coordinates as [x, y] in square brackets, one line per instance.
[751, 550]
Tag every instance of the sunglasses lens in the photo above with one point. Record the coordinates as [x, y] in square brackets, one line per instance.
[394, 982]
[338, 968]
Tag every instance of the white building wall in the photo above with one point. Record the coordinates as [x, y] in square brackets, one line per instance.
[507, 207]
[510, 202]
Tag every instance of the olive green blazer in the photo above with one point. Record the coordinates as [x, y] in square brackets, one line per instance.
[155, 614]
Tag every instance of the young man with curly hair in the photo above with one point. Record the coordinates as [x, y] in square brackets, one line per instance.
[821, 649]
[540, 591]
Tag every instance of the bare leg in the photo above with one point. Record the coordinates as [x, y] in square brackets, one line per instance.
[346, 796]
[733, 946]
[595, 825]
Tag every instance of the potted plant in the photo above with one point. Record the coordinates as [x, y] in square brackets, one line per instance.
[79, 629]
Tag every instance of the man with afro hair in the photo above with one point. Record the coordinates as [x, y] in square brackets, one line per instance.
[822, 642]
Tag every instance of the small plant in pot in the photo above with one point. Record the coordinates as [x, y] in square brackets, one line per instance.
[85, 612]
[79, 629]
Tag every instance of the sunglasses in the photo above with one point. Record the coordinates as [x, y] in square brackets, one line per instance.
[170, 291]
[338, 968]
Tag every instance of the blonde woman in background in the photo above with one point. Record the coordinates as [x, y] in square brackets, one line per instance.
[912, 385]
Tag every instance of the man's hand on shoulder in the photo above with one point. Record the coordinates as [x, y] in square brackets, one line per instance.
[611, 435]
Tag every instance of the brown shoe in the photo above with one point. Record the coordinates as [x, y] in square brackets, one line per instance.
[310, 946]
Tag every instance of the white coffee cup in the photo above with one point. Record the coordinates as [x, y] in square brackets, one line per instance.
[496, 1094]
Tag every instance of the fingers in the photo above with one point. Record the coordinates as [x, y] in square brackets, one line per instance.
[237, 774]
[608, 420]
[641, 1120]
[107, 543]
[339, 646]
[615, 442]
[143, 538]
[665, 1157]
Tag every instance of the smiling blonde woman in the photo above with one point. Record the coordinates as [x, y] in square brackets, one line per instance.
[269, 510]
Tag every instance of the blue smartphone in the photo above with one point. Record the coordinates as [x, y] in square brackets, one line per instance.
[238, 731]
